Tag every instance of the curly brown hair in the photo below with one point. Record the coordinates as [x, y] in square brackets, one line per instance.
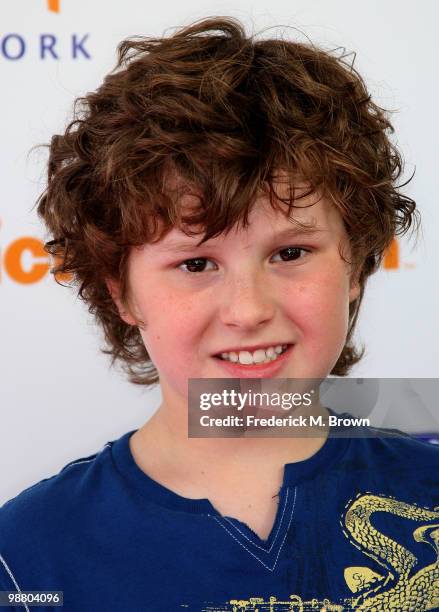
[225, 111]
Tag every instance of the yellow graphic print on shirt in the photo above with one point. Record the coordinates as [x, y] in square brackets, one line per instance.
[401, 586]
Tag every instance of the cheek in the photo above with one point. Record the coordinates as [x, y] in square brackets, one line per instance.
[321, 309]
[172, 325]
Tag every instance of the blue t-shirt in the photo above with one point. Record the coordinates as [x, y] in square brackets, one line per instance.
[356, 527]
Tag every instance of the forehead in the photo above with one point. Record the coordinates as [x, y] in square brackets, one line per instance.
[311, 214]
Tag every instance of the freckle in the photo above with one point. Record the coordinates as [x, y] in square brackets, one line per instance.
[249, 506]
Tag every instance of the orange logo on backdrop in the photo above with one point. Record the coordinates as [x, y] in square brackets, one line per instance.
[391, 257]
[53, 5]
[13, 261]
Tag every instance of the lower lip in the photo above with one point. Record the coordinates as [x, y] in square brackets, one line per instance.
[257, 370]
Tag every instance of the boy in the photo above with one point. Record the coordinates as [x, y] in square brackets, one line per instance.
[273, 153]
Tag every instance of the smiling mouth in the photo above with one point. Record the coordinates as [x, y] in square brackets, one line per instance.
[257, 358]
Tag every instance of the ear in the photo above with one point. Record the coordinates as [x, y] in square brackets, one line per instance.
[114, 290]
[354, 290]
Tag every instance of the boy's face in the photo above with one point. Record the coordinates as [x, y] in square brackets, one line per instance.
[249, 287]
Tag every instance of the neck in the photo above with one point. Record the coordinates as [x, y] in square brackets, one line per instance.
[162, 446]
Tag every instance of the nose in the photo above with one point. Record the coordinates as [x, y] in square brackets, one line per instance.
[247, 301]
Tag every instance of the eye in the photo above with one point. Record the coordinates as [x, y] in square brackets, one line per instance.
[293, 253]
[194, 265]
[198, 264]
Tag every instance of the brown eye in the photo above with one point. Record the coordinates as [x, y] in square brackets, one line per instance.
[194, 265]
[292, 253]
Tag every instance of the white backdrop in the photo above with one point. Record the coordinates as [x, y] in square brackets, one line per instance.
[58, 398]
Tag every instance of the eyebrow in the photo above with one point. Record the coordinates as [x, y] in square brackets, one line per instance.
[181, 245]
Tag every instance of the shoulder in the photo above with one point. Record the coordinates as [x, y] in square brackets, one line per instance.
[383, 444]
[52, 503]
[394, 452]
[42, 527]
[394, 443]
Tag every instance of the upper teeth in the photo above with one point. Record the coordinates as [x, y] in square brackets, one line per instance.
[258, 356]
